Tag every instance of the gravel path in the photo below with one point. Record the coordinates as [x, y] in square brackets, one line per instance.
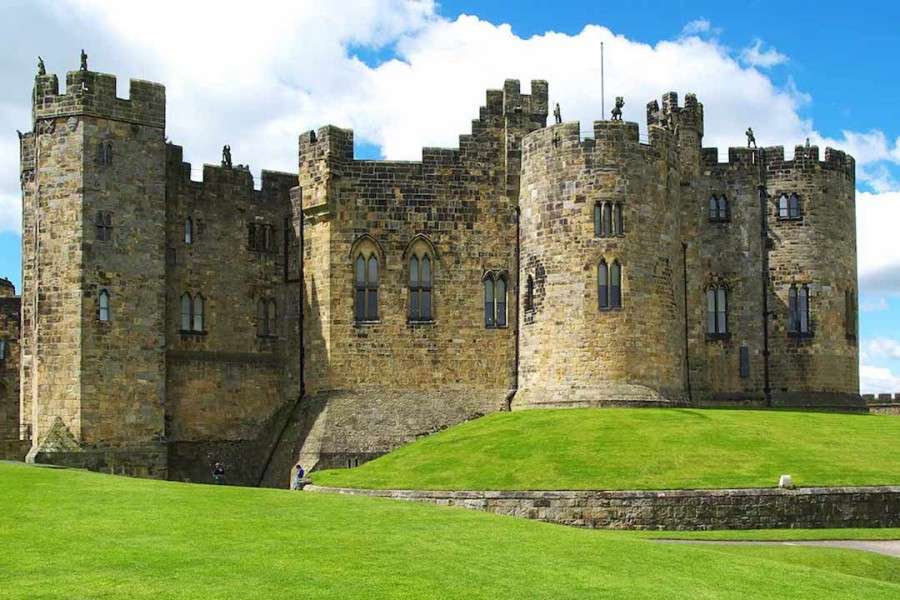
[887, 547]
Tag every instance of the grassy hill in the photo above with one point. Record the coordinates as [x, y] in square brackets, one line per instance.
[640, 449]
[72, 534]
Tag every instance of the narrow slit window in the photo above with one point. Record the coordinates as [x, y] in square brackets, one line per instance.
[500, 295]
[783, 212]
[794, 207]
[618, 220]
[607, 219]
[598, 220]
[420, 288]
[271, 319]
[721, 311]
[188, 231]
[529, 294]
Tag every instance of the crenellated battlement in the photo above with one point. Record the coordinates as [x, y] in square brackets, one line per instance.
[92, 93]
[510, 100]
[806, 158]
[274, 185]
[670, 115]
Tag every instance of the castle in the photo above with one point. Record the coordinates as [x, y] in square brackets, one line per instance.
[332, 314]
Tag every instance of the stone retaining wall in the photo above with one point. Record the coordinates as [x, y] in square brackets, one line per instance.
[764, 508]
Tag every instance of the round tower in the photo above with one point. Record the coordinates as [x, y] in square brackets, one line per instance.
[811, 216]
[7, 289]
[601, 302]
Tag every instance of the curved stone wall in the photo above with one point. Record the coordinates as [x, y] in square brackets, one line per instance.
[573, 352]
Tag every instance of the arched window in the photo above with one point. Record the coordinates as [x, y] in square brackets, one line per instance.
[598, 220]
[798, 309]
[617, 222]
[489, 312]
[615, 285]
[103, 313]
[607, 219]
[794, 206]
[494, 300]
[187, 305]
[3, 349]
[198, 316]
[108, 154]
[609, 285]
[366, 256]
[272, 319]
[783, 207]
[718, 208]
[366, 276]
[104, 226]
[716, 311]
[603, 285]
[188, 231]
[420, 288]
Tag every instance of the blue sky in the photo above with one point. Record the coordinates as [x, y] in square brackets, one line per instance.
[404, 74]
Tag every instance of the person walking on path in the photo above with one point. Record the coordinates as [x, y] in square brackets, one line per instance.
[218, 474]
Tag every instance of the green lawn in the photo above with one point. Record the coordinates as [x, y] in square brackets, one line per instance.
[71, 534]
[639, 449]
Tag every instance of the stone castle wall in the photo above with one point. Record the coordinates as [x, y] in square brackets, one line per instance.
[384, 381]
[515, 201]
[10, 317]
[575, 352]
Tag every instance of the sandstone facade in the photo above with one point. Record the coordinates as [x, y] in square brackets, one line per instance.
[170, 321]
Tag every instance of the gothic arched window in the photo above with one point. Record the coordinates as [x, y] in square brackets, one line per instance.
[420, 272]
[103, 303]
[198, 313]
[615, 285]
[366, 275]
[529, 294]
[716, 310]
[798, 310]
[603, 285]
[494, 300]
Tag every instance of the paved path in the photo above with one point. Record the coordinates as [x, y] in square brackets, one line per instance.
[887, 547]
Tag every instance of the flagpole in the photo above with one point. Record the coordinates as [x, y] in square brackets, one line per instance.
[602, 86]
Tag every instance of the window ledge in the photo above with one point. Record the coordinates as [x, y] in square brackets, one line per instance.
[784, 219]
[417, 323]
[719, 220]
[366, 323]
[800, 335]
[610, 308]
[718, 337]
[191, 332]
[267, 336]
[496, 326]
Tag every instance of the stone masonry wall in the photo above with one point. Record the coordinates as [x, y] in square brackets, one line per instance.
[459, 207]
[226, 383]
[572, 351]
[764, 508]
[10, 316]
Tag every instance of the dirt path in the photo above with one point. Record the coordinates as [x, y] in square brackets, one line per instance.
[887, 547]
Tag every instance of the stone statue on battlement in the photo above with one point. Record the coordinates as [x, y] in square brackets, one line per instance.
[557, 115]
[42, 70]
[751, 139]
[617, 109]
[226, 156]
[83, 60]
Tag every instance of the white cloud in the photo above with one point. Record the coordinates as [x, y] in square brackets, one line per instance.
[255, 78]
[755, 56]
[877, 216]
[877, 380]
[696, 26]
[882, 348]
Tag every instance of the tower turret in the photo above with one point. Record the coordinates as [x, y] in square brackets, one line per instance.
[93, 178]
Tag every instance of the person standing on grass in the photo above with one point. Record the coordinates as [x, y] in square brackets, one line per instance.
[219, 474]
[297, 481]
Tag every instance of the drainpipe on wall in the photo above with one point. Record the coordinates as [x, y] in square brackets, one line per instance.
[687, 356]
[766, 243]
[515, 388]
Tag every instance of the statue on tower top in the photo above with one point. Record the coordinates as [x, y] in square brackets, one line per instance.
[617, 109]
[751, 139]
[42, 70]
[83, 60]
[226, 156]
[557, 115]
